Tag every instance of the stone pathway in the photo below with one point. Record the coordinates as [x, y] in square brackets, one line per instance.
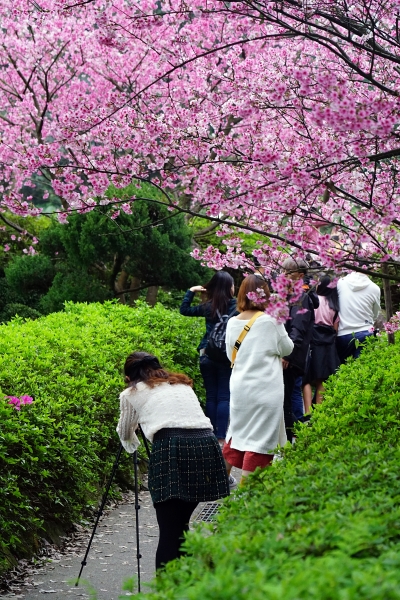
[112, 557]
[111, 561]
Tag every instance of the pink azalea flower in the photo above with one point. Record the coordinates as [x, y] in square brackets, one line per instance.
[14, 400]
[17, 402]
[26, 399]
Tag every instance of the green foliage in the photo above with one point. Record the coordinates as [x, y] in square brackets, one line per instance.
[93, 256]
[17, 235]
[57, 452]
[14, 309]
[6, 295]
[322, 524]
[74, 286]
[29, 277]
[154, 246]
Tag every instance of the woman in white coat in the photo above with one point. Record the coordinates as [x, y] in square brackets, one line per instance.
[257, 424]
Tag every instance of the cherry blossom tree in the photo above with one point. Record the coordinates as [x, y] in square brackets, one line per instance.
[278, 118]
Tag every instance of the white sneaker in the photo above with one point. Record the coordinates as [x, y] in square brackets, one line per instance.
[232, 482]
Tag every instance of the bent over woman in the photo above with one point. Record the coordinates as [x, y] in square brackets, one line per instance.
[186, 465]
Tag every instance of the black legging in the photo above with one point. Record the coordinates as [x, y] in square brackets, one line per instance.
[173, 520]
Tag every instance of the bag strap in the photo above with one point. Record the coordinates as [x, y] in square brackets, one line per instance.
[232, 313]
[243, 334]
[226, 314]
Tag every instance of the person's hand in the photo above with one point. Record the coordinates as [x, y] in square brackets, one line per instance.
[285, 363]
[197, 288]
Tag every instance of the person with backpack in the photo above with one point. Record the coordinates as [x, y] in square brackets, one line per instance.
[214, 366]
[324, 357]
[256, 344]
[299, 326]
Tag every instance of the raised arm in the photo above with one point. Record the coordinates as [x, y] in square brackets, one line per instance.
[191, 311]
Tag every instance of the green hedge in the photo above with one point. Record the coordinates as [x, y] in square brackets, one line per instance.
[56, 452]
[322, 524]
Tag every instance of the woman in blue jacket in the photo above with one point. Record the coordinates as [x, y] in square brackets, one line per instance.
[216, 375]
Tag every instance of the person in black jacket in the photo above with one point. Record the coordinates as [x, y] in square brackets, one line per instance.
[216, 375]
[299, 327]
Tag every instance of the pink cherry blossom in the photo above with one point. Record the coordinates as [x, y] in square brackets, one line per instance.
[282, 122]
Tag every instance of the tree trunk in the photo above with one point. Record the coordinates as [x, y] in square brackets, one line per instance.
[151, 296]
[120, 284]
[387, 293]
[118, 260]
[133, 296]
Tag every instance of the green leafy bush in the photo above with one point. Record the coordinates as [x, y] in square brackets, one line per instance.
[77, 286]
[6, 295]
[29, 277]
[322, 524]
[15, 308]
[57, 452]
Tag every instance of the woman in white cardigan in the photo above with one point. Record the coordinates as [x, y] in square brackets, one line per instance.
[186, 465]
[257, 424]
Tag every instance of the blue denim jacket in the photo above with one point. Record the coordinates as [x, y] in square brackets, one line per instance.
[202, 310]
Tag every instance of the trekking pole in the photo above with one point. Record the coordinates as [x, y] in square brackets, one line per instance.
[100, 511]
[137, 507]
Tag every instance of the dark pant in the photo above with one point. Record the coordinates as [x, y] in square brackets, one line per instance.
[173, 521]
[289, 380]
[346, 344]
[297, 399]
[216, 378]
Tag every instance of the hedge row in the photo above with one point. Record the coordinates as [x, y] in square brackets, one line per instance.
[56, 452]
[322, 524]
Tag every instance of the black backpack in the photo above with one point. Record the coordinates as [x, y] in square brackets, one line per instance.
[216, 345]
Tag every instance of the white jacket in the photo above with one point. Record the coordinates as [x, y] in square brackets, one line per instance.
[359, 303]
[256, 385]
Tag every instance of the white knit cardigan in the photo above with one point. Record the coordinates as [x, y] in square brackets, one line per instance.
[163, 406]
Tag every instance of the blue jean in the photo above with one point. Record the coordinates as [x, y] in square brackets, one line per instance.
[297, 399]
[216, 378]
[346, 346]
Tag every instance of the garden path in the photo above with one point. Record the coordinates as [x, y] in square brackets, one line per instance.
[111, 560]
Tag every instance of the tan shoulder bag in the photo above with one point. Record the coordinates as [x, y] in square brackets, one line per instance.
[243, 334]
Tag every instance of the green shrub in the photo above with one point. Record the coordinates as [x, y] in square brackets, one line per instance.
[322, 524]
[29, 277]
[57, 452]
[7, 296]
[75, 286]
[15, 308]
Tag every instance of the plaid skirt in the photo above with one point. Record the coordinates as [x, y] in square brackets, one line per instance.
[187, 464]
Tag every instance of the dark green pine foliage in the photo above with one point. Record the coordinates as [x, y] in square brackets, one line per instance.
[82, 260]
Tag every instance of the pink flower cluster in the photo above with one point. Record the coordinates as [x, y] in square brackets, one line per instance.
[258, 297]
[249, 117]
[393, 324]
[18, 402]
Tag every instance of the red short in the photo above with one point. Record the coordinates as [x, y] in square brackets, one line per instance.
[248, 461]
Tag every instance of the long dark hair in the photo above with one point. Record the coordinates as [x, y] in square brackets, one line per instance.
[219, 292]
[324, 289]
[141, 366]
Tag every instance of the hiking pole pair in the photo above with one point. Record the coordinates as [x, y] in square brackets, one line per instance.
[104, 500]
